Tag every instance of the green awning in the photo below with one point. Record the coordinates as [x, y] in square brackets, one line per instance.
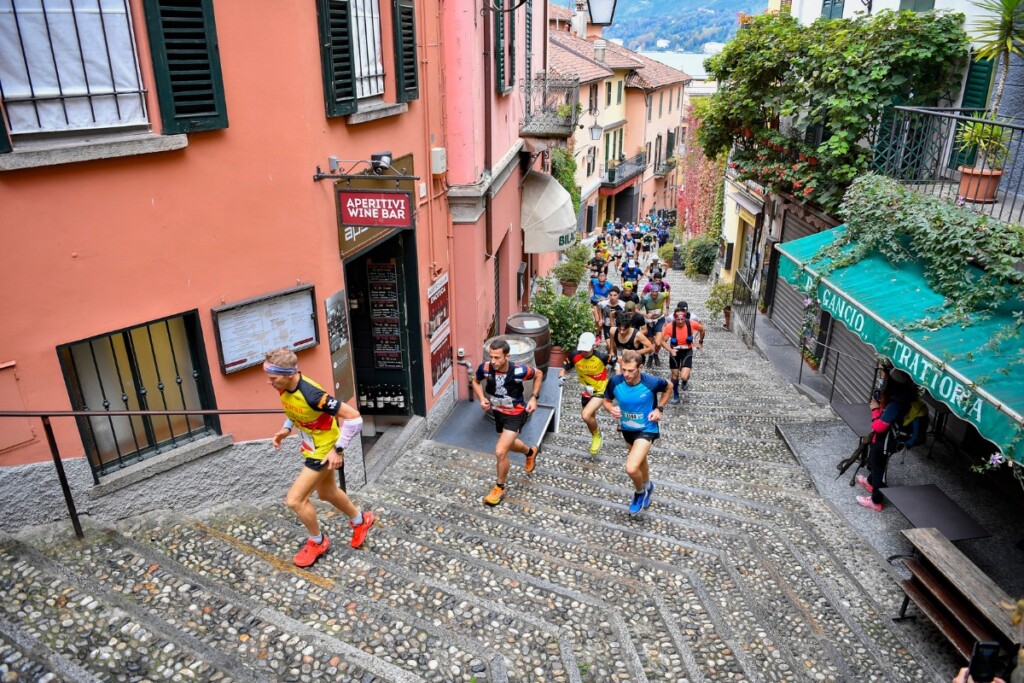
[876, 300]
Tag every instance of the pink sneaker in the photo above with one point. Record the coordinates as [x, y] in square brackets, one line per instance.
[863, 481]
[866, 502]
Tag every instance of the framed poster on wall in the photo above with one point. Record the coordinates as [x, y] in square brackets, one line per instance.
[246, 330]
[339, 339]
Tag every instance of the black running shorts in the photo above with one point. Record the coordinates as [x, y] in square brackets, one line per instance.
[513, 423]
[630, 437]
[682, 358]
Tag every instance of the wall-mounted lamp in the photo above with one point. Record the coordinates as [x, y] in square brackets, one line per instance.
[596, 131]
[380, 161]
[601, 12]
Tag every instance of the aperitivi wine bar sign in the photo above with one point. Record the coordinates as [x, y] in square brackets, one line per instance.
[375, 209]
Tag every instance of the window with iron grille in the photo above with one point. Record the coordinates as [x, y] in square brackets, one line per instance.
[156, 366]
[352, 53]
[71, 67]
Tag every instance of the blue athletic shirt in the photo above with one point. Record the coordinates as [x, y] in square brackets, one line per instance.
[636, 402]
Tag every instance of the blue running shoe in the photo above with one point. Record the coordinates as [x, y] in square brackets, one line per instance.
[638, 503]
[647, 494]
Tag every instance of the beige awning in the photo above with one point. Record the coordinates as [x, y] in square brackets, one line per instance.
[549, 223]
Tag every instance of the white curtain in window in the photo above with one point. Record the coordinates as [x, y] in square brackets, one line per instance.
[367, 48]
[54, 53]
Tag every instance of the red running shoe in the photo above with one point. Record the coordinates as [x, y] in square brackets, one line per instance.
[311, 552]
[359, 531]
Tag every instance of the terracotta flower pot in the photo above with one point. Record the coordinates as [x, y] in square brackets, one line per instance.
[747, 133]
[978, 186]
[568, 287]
[812, 161]
[803, 157]
[557, 357]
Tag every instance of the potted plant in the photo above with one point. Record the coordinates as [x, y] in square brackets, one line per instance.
[568, 317]
[989, 141]
[568, 112]
[701, 254]
[612, 163]
[570, 271]
[719, 302]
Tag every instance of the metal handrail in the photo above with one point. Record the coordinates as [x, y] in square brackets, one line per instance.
[45, 416]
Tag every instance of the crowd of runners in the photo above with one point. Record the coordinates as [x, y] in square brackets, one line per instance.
[634, 320]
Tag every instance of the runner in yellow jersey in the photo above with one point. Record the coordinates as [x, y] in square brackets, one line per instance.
[592, 369]
[316, 413]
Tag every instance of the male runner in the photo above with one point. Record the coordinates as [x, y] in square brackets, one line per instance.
[592, 369]
[609, 311]
[626, 336]
[503, 380]
[655, 302]
[678, 339]
[639, 410]
[315, 413]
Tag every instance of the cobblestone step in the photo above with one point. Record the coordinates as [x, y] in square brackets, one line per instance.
[799, 597]
[532, 648]
[64, 615]
[391, 634]
[24, 659]
[552, 510]
[664, 643]
[697, 470]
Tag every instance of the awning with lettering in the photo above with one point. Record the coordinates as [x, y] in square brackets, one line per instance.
[549, 223]
[878, 301]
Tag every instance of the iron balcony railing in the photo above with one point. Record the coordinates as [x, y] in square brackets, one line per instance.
[664, 167]
[924, 149]
[624, 170]
[553, 109]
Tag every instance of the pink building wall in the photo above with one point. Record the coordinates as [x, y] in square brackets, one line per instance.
[97, 246]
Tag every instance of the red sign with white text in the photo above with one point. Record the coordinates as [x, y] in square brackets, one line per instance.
[375, 209]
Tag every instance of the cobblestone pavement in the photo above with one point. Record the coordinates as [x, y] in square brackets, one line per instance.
[739, 571]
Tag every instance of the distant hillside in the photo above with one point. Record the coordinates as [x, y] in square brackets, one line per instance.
[685, 25]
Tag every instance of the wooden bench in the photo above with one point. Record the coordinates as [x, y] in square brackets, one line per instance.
[963, 603]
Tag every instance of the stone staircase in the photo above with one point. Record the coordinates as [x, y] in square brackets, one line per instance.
[737, 572]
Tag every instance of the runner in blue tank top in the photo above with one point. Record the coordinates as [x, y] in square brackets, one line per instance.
[639, 410]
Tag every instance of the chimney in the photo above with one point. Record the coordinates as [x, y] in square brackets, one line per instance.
[599, 46]
[579, 19]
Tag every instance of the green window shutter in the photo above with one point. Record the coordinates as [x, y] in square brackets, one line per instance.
[661, 103]
[337, 62]
[407, 79]
[186, 65]
[511, 82]
[5, 140]
[832, 9]
[976, 89]
[670, 142]
[499, 47]
[618, 99]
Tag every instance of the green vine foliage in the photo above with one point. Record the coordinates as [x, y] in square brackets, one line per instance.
[563, 168]
[844, 74]
[902, 225]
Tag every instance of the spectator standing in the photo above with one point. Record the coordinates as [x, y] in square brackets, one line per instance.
[891, 406]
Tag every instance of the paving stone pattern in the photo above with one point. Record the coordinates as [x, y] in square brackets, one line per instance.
[738, 571]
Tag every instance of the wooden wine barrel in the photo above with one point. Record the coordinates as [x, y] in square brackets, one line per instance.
[535, 326]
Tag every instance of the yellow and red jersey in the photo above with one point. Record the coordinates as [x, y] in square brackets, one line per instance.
[313, 411]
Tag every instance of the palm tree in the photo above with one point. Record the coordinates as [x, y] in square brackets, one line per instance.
[999, 33]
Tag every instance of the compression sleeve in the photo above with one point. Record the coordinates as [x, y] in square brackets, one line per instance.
[349, 428]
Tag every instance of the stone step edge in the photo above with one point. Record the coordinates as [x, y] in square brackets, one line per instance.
[707, 602]
[467, 644]
[271, 616]
[43, 655]
[796, 553]
[272, 565]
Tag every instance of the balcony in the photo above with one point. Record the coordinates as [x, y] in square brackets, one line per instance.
[618, 174]
[923, 149]
[552, 107]
[662, 169]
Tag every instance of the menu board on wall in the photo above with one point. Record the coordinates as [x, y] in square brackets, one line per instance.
[384, 319]
[246, 330]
